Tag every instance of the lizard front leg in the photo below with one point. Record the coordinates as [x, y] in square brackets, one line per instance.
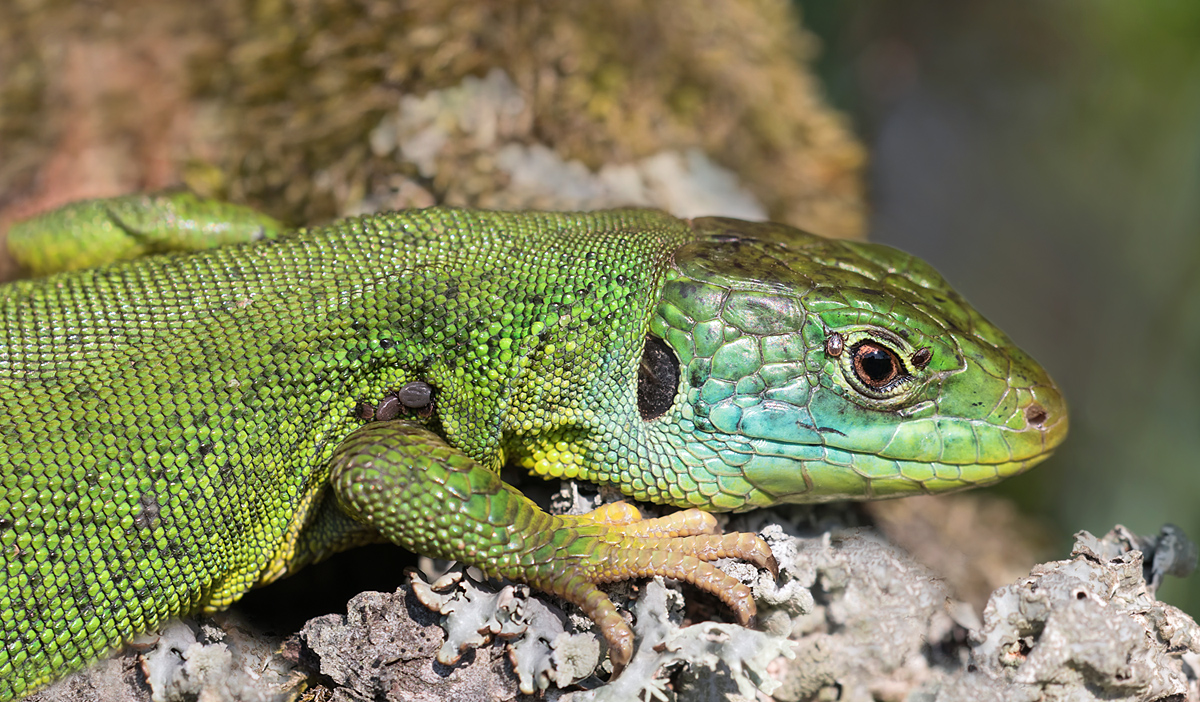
[429, 497]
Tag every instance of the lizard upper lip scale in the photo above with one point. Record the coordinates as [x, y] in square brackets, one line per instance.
[179, 428]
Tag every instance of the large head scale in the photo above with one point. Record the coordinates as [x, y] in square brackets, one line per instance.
[815, 370]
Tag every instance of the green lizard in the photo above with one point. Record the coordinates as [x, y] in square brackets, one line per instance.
[181, 427]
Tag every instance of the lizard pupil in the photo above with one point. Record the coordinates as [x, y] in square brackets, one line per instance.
[658, 378]
[875, 365]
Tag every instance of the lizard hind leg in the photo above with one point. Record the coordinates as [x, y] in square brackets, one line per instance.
[422, 493]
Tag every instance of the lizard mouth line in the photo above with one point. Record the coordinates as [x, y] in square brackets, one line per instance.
[828, 445]
[813, 481]
[1031, 458]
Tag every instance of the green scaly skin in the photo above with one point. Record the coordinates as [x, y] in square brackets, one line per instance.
[180, 428]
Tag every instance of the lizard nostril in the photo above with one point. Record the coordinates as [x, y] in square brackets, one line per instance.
[1035, 415]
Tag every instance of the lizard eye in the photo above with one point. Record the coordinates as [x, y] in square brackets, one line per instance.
[876, 366]
[658, 378]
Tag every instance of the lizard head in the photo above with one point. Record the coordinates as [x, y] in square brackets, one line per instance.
[785, 367]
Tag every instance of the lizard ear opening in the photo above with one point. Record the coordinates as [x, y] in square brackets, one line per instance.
[658, 378]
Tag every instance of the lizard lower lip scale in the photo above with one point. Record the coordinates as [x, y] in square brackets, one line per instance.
[181, 427]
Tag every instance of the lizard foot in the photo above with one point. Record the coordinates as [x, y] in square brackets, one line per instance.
[614, 543]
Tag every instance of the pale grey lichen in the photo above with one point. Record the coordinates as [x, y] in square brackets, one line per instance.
[718, 659]
[543, 651]
[686, 184]
[189, 661]
[473, 614]
[540, 649]
[385, 648]
[482, 126]
[882, 625]
[1169, 552]
[859, 611]
[865, 621]
[548, 654]
[1084, 628]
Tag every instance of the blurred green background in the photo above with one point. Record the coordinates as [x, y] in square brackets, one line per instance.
[1045, 156]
